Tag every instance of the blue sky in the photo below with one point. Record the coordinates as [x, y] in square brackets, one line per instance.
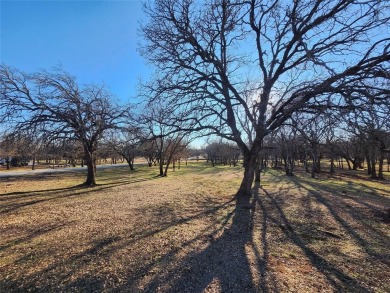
[94, 40]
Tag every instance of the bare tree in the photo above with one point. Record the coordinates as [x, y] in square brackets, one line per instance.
[222, 152]
[287, 140]
[212, 151]
[126, 142]
[72, 151]
[352, 150]
[315, 130]
[53, 103]
[168, 139]
[369, 123]
[7, 149]
[204, 55]
[28, 145]
[148, 149]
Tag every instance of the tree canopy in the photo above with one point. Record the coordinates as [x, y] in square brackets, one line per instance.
[239, 69]
[52, 102]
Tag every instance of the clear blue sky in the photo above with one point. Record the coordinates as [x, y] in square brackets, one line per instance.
[94, 40]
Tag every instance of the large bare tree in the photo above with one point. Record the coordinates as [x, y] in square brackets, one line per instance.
[53, 103]
[239, 69]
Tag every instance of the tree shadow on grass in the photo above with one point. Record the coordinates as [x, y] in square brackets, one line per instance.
[100, 249]
[340, 281]
[362, 212]
[233, 257]
[236, 262]
[223, 265]
[40, 281]
[15, 200]
[33, 234]
[223, 261]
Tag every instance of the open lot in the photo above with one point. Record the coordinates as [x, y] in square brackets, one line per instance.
[136, 232]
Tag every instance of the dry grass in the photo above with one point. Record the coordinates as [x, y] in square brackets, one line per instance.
[136, 232]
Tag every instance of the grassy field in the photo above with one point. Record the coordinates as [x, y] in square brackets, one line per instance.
[136, 232]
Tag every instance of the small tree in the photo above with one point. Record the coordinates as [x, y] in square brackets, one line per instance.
[167, 139]
[287, 139]
[313, 129]
[7, 149]
[148, 150]
[126, 142]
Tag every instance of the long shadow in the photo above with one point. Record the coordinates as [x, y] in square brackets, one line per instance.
[79, 186]
[34, 234]
[101, 248]
[353, 213]
[21, 194]
[132, 238]
[370, 201]
[206, 234]
[40, 176]
[35, 197]
[92, 284]
[340, 281]
[223, 263]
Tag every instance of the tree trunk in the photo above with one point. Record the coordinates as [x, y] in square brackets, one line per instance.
[305, 162]
[318, 164]
[165, 174]
[285, 164]
[161, 167]
[369, 171]
[130, 163]
[348, 163]
[373, 169]
[91, 169]
[342, 164]
[249, 172]
[290, 166]
[33, 164]
[258, 171]
[160, 160]
[314, 164]
[354, 166]
[331, 163]
[381, 159]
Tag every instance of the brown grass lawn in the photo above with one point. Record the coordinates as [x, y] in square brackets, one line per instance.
[136, 232]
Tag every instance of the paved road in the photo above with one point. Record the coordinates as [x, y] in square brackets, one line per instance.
[4, 174]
